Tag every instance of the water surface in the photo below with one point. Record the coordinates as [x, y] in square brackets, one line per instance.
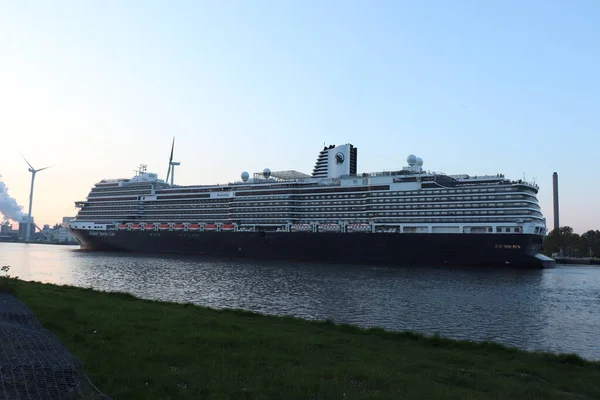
[555, 309]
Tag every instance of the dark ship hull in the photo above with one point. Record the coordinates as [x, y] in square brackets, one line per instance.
[519, 250]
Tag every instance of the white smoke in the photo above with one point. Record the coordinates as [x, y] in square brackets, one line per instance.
[9, 208]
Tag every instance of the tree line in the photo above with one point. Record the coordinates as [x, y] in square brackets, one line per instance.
[569, 244]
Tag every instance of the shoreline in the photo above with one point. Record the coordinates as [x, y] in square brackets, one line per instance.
[139, 349]
[577, 261]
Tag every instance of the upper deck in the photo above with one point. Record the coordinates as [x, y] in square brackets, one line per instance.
[408, 196]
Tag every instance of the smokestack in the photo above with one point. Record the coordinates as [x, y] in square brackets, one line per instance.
[555, 195]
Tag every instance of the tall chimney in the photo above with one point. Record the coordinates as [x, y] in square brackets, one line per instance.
[555, 195]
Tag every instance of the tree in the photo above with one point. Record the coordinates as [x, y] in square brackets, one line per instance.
[551, 244]
[590, 242]
[596, 248]
[563, 241]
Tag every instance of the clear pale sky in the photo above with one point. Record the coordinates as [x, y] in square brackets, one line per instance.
[471, 86]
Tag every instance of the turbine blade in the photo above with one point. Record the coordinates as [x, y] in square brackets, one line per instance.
[41, 169]
[172, 147]
[170, 159]
[30, 166]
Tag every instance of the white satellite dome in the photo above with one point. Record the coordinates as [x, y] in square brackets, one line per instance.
[266, 173]
[245, 176]
[411, 160]
[419, 162]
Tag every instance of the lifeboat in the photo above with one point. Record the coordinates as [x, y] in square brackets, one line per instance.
[227, 227]
[358, 228]
[178, 227]
[163, 227]
[329, 228]
[301, 228]
[149, 227]
[122, 226]
[210, 227]
[193, 227]
[136, 226]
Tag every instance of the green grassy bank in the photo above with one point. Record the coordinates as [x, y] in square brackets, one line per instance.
[138, 349]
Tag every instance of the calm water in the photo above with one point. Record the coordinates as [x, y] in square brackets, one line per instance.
[556, 309]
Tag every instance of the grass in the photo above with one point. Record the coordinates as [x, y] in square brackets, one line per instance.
[8, 284]
[138, 349]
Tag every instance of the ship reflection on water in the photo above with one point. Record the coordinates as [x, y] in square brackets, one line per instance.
[551, 309]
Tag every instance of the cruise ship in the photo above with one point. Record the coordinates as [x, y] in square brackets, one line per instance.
[405, 217]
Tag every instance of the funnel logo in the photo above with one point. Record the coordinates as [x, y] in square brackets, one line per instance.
[339, 158]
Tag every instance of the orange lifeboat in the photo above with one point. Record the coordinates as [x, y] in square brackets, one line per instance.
[193, 227]
[136, 226]
[210, 227]
[149, 227]
[178, 227]
[227, 227]
[163, 227]
[122, 226]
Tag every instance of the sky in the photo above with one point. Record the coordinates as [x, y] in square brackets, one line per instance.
[475, 87]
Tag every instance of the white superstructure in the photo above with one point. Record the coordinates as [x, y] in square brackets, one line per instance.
[334, 199]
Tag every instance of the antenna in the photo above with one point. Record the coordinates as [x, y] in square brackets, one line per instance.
[33, 172]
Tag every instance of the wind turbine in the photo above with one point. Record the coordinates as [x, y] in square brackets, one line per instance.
[33, 172]
[172, 164]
